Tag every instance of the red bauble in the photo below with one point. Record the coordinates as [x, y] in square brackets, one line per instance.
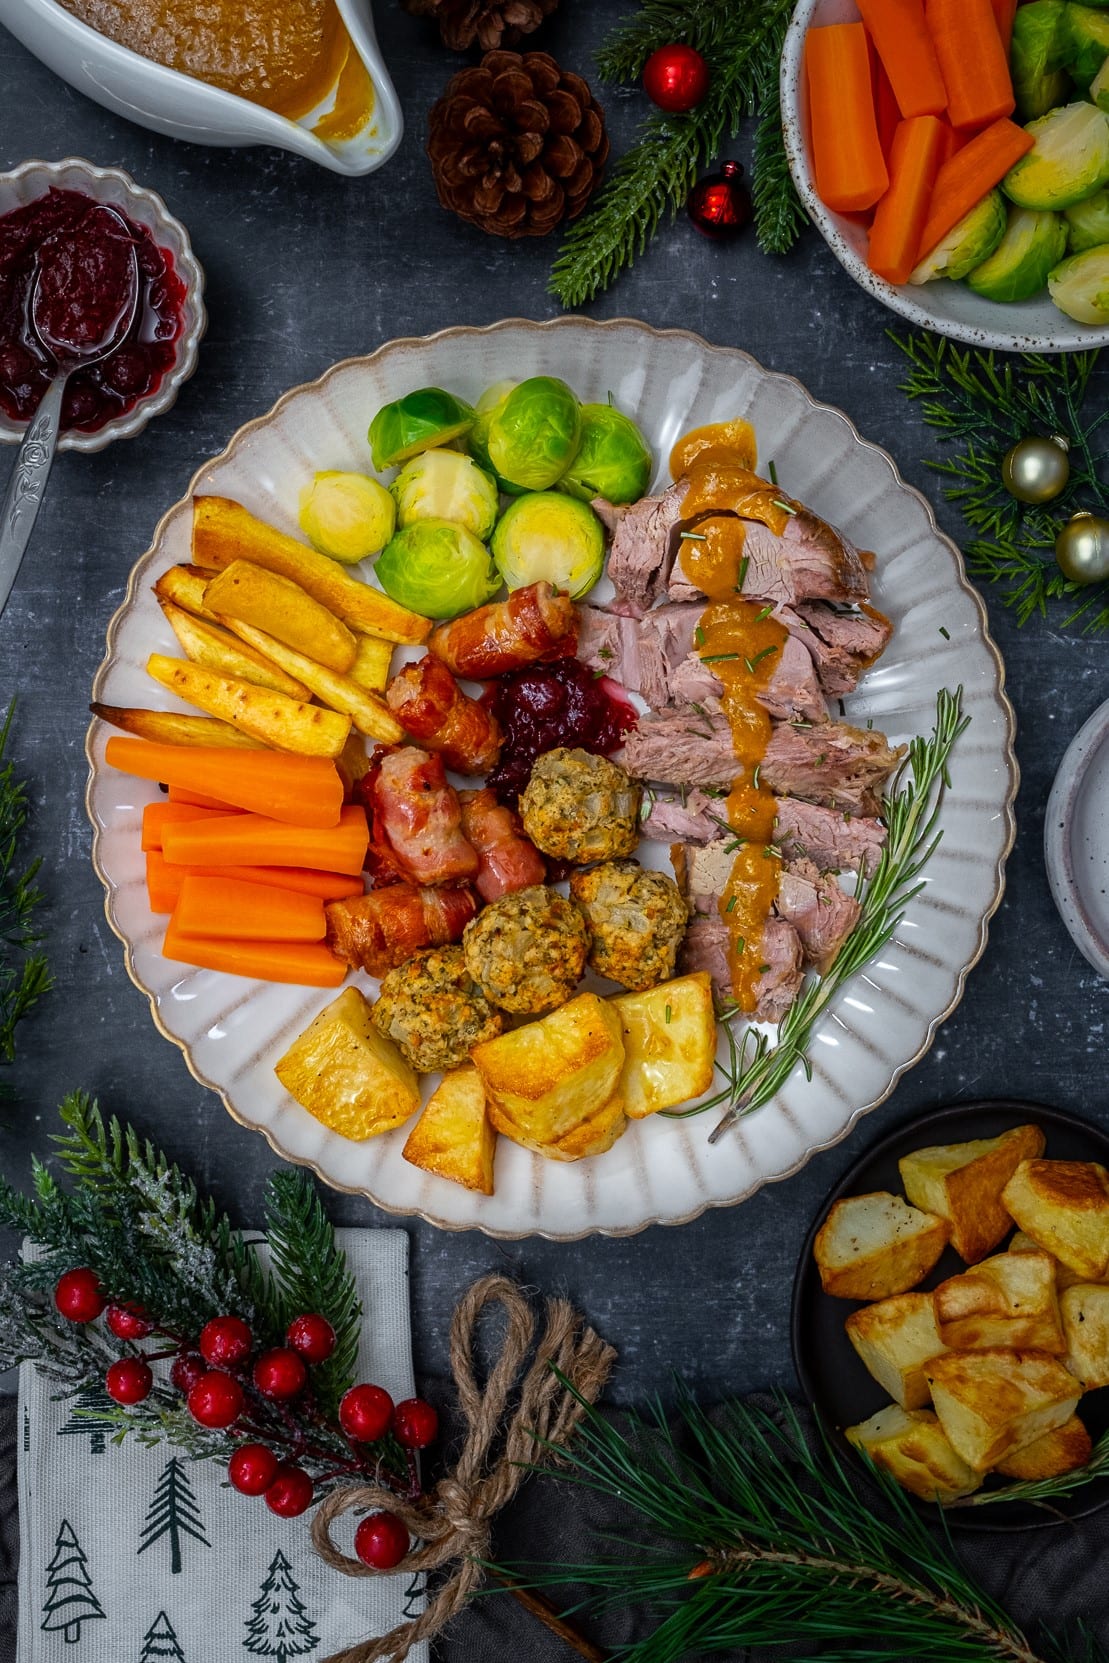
[188, 1368]
[77, 1295]
[381, 1541]
[290, 1492]
[415, 1423]
[129, 1380]
[311, 1335]
[225, 1341]
[216, 1400]
[252, 1469]
[720, 206]
[280, 1373]
[366, 1413]
[675, 78]
[128, 1322]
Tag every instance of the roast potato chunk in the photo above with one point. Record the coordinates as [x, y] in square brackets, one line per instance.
[453, 1137]
[1085, 1310]
[594, 1136]
[348, 1075]
[1064, 1206]
[1068, 1447]
[1009, 1300]
[911, 1445]
[895, 1338]
[669, 1043]
[962, 1182]
[993, 1402]
[871, 1246]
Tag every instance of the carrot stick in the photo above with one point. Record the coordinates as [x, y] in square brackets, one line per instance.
[885, 107]
[163, 881]
[305, 963]
[1004, 12]
[155, 816]
[969, 175]
[974, 63]
[901, 214]
[953, 142]
[180, 794]
[907, 55]
[847, 157]
[253, 840]
[304, 790]
[226, 910]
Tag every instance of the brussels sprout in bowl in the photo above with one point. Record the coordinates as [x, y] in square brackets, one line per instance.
[949, 308]
[445, 485]
[548, 535]
[437, 569]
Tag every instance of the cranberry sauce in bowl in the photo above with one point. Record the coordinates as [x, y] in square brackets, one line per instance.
[544, 706]
[84, 255]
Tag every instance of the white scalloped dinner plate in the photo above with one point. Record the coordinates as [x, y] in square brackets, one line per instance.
[232, 1031]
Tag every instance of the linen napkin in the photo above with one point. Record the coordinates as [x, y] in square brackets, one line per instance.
[134, 1555]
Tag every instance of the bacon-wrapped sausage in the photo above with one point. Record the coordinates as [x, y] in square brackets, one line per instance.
[532, 624]
[430, 705]
[378, 931]
[508, 860]
[416, 813]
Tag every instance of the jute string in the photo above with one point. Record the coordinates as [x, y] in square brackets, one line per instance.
[453, 1523]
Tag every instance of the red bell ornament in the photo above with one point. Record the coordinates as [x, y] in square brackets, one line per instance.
[720, 205]
[676, 78]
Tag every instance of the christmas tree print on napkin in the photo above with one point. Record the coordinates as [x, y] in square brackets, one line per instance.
[161, 1642]
[70, 1600]
[173, 1513]
[86, 1425]
[280, 1626]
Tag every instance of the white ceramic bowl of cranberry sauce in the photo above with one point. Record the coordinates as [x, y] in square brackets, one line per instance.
[951, 309]
[142, 377]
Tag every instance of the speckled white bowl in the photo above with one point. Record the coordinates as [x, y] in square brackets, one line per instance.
[108, 184]
[950, 309]
[1076, 840]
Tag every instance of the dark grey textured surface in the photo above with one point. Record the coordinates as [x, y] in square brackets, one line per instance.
[305, 268]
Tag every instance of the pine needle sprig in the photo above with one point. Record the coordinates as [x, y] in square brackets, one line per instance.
[24, 973]
[312, 1274]
[1042, 1492]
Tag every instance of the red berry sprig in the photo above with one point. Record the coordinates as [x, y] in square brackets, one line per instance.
[366, 1413]
[381, 1541]
[225, 1342]
[290, 1492]
[252, 1469]
[129, 1380]
[217, 1400]
[311, 1335]
[280, 1373]
[415, 1423]
[128, 1322]
[78, 1295]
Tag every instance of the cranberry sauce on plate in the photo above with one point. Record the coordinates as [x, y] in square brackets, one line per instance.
[547, 705]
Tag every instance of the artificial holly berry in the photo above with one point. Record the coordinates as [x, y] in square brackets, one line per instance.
[280, 1373]
[128, 1322]
[290, 1492]
[216, 1400]
[415, 1423]
[188, 1367]
[129, 1380]
[311, 1335]
[78, 1295]
[365, 1413]
[381, 1541]
[225, 1342]
[676, 78]
[252, 1469]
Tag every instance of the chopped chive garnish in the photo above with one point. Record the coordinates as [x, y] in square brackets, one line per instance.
[668, 1013]
[755, 776]
[740, 944]
[699, 636]
[786, 508]
[694, 537]
[763, 968]
[944, 633]
[743, 565]
[765, 613]
[758, 658]
[730, 904]
[717, 657]
[772, 469]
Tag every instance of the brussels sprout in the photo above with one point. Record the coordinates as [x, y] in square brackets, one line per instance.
[1088, 223]
[612, 461]
[445, 485]
[534, 432]
[1080, 286]
[477, 440]
[1087, 41]
[1068, 161]
[1017, 269]
[549, 535]
[437, 569]
[966, 244]
[416, 422]
[1099, 87]
[347, 515]
[1037, 57]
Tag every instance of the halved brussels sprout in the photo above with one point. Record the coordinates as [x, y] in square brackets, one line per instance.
[416, 422]
[966, 244]
[1099, 87]
[534, 432]
[445, 485]
[347, 515]
[612, 461]
[1087, 41]
[1068, 161]
[1080, 286]
[1037, 57]
[437, 569]
[1017, 269]
[477, 440]
[549, 535]
[1088, 223]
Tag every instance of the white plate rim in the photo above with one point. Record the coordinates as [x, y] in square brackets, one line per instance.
[1058, 826]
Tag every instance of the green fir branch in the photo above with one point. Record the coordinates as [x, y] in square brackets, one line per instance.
[312, 1274]
[24, 973]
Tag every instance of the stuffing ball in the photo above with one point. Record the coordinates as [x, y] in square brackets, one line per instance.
[527, 950]
[637, 920]
[433, 1011]
[580, 807]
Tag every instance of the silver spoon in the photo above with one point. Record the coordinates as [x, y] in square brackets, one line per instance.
[27, 484]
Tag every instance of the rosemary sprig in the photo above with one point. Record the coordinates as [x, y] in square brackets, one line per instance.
[743, 47]
[24, 973]
[1043, 1491]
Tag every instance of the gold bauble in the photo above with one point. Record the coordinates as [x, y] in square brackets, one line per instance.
[1036, 469]
[1082, 549]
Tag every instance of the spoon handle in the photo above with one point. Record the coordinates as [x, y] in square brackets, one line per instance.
[27, 484]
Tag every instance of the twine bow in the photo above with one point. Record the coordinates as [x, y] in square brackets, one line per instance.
[453, 1523]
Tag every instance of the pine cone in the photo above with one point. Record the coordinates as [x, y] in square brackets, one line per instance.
[492, 23]
[517, 144]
